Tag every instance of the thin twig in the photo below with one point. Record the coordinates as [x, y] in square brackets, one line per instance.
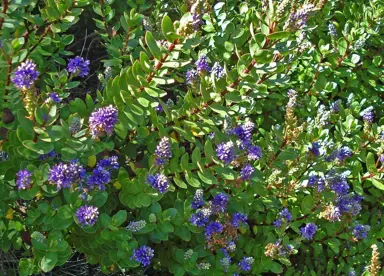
[5, 8]
[126, 41]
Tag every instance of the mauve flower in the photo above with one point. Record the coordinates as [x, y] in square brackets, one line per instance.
[202, 64]
[308, 231]
[254, 153]
[163, 151]
[198, 200]
[102, 121]
[158, 182]
[63, 175]
[78, 66]
[213, 228]
[23, 179]
[315, 149]
[238, 219]
[110, 163]
[332, 30]
[25, 75]
[361, 231]
[143, 255]
[218, 71]
[246, 172]
[191, 76]
[54, 97]
[368, 115]
[100, 177]
[219, 203]
[246, 263]
[87, 215]
[201, 218]
[225, 152]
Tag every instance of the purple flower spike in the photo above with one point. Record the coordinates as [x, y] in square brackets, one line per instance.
[198, 200]
[102, 121]
[308, 231]
[191, 76]
[78, 66]
[159, 182]
[64, 175]
[143, 255]
[202, 64]
[361, 231]
[246, 172]
[54, 97]
[225, 152]
[212, 228]
[23, 179]
[99, 178]
[87, 215]
[254, 153]
[163, 151]
[238, 219]
[246, 263]
[25, 75]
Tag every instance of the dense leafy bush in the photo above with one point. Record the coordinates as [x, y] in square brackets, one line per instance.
[196, 138]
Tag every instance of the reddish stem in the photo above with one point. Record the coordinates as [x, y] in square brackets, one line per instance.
[5, 8]
[159, 64]
[8, 79]
[126, 42]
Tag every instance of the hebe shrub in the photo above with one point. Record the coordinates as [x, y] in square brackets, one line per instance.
[193, 138]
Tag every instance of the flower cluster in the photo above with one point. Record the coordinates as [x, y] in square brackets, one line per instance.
[361, 231]
[202, 64]
[25, 75]
[340, 154]
[335, 106]
[188, 254]
[99, 178]
[238, 219]
[143, 255]
[220, 228]
[87, 215]
[227, 151]
[191, 76]
[368, 115]
[198, 200]
[159, 182]
[109, 163]
[218, 71]
[315, 148]
[163, 151]
[101, 175]
[197, 11]
[23, 179]
[299, 18]
[64, 175]
[54, 97]
[284, 217]
[246, 172]
[102, 121]
[78, 66]
[49, 155]
[135, 226]
[332, 30]
[246, 263]
[308, 231]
